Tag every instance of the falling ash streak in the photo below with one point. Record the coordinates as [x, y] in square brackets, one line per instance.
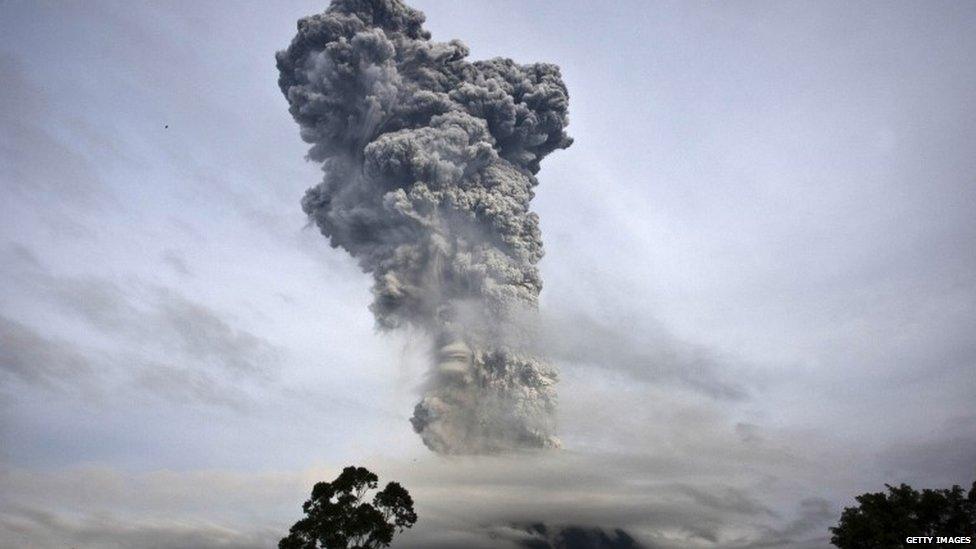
[430, 164]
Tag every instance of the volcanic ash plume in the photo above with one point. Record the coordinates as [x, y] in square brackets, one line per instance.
[429, 164]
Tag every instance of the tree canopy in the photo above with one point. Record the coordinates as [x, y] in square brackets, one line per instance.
[883, 521]
[337, 516]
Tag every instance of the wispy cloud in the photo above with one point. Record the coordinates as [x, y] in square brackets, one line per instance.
[32, 358]
[646, 352]
[160, 340]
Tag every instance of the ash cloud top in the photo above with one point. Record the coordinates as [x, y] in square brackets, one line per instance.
[430, 164]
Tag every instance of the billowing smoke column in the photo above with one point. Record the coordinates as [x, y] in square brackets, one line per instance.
[429, 164]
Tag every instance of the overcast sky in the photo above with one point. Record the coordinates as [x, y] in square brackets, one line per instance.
[760, 280]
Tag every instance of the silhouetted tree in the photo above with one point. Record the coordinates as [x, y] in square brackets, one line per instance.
[884, 521]
[337, 517]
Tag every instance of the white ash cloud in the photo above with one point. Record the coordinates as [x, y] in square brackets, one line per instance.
[430, 164]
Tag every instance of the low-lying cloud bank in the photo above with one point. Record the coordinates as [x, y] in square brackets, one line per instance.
[668, 474]
[556, 500]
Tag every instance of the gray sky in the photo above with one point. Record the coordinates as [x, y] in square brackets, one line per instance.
[760, 276]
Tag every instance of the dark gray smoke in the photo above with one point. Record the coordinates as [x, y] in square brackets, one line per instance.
[430, 164]
[542, 536]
